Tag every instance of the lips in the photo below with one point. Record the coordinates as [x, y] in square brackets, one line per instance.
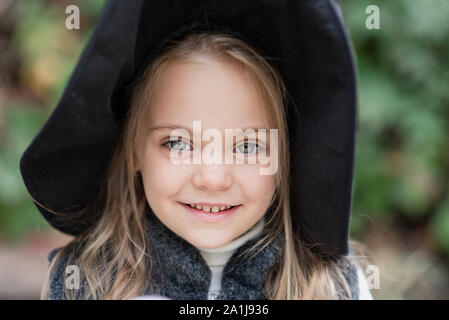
[211, 217]
[211, 208]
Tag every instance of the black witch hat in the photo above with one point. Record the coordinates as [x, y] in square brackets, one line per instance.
[305, 41]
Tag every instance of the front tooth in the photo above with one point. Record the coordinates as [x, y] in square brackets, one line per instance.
[192, 205]
[206, 208]
[222, 208]
[228, 207]
[198, 206]
[215, 209]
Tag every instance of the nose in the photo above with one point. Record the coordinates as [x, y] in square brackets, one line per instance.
[212, 177]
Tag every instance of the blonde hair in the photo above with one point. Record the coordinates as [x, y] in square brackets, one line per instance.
[113, 252]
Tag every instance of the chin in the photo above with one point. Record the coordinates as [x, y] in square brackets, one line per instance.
[204, 242]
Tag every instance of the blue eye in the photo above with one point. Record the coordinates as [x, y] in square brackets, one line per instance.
[248, 147]
[177, 145]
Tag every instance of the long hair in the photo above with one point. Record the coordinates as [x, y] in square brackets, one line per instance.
[113, 253]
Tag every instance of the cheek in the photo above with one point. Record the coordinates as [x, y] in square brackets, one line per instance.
[161, 178]
[255, 186]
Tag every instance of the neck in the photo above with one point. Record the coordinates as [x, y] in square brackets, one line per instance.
[219, 256]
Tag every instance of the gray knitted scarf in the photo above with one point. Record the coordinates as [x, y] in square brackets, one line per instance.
[179, 272]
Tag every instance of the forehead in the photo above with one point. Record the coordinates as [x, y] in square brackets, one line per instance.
[216, 92]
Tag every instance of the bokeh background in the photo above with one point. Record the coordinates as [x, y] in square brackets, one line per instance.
[401, 190]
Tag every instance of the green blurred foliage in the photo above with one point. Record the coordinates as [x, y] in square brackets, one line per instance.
[402, 155]
[47, 52]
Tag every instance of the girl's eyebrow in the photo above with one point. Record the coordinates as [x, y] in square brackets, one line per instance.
[174, 127]
[171, 127]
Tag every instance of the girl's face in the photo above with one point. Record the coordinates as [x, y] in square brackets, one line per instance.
[220, 96]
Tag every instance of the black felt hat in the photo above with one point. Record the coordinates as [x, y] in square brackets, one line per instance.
[305, 41]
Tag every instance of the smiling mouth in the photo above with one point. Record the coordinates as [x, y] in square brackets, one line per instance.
[209, 209]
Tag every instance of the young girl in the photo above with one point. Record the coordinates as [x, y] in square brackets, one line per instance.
[165, 226]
